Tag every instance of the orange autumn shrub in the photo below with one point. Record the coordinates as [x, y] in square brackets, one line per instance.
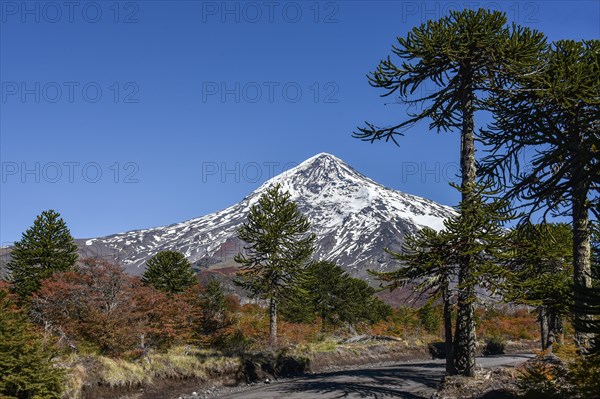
[253, 323]
[169, 319]
[102, 308]
[300, 333]
[517, 324]
[402, 323]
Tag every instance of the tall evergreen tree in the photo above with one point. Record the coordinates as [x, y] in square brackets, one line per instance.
[427, 261]
[554, 111]
[477, 238]
[539, 261]
[432, 260]
[466, 55]
[26, 367]
[169, 271]
[45, 248]
[278, 250]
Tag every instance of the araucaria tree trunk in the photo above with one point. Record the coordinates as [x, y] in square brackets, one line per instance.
[273, 321]
[464, 353]
[543, 320]
[582, 254]
[448, 338]
[582, 278]
[551, 328]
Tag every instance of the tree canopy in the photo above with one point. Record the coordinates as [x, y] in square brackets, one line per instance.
[169, 271]
[337, 298]
[552, 113]
[45, 248]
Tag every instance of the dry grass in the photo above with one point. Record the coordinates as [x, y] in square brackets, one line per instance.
[328, 345]
[177, 363]
[75, 380]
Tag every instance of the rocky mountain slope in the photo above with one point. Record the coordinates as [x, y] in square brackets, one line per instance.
[354, 218]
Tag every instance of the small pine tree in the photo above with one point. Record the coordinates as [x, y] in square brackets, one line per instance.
[169, 271]
[469, 248]
[215, 315]
[26, 369]
[45, 248]
[279, 248]
[430, 318]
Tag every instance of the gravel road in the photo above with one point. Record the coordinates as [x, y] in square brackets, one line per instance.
[415, 380]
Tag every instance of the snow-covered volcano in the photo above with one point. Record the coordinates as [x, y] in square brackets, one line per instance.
[354, 218]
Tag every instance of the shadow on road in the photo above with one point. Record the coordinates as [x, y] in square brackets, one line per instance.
[395, 381]
[417, 380]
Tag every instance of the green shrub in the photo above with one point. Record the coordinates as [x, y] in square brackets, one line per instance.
[584, 376]
[26, 368]
[235, 344]
[430, 318]
[494, 346]
[437, 350]
[544, 378]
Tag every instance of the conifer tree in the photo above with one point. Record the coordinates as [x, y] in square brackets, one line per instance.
[278, 250]
[466, 56]
[45, 248]
[429, 318]
[169, 271]
[539, 264]
[332, 294]
[26, 368]
[427, 261]
[431, 260]
[553, 112]
[214, 313]
[478, 239]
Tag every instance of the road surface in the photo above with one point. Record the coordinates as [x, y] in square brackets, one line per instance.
[415, 380]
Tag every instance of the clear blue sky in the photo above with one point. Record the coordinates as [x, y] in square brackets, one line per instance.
[184, 107]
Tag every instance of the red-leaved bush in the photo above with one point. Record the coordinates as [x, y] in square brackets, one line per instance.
[99, 306]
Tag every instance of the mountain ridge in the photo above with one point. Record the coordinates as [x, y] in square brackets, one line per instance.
[354, 218]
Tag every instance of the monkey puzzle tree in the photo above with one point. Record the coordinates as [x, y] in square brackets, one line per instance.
[278, 250]
[169, 271]
[433, 260]
[466, 55]
[427, 261]
[555, 112]
[539, 264]
[46, 247]
[337, 298]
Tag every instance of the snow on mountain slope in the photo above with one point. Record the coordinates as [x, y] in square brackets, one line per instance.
[354, 218]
